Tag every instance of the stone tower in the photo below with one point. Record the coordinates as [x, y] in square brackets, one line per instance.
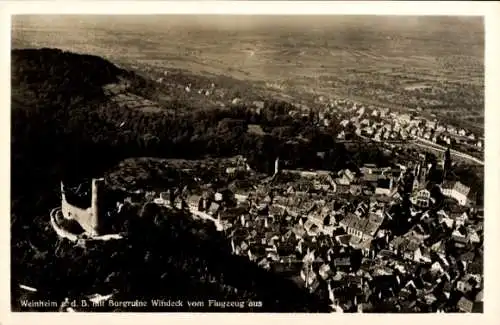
[446, 163]
[95, 206]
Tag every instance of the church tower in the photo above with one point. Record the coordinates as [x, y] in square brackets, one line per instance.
[446, 163]
[95, 206]
[277, 166]
[63, 194]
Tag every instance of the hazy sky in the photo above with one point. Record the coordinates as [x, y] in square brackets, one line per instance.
[99, 33]
[248, 22]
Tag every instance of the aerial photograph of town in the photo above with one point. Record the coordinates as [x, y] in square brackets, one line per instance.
[247, 164]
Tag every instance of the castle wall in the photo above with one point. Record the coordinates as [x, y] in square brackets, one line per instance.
[82, 216]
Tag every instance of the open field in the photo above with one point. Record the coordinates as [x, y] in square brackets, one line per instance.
[434, 63]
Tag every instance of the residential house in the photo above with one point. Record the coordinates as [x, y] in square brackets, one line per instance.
[325, 271]
[409, 246]
[469, 285]
[459, 237]
[218, 197]
[231, 171]
[362, 228]
[365, 122]
[342, 262]
[311, 228]
[422, 255]
[258, 104]
[460, 217]
[345, 177]
[324, 182]
[276, 211]
[456, 190]
[343, 240]
[160, 201]
[422, 199]
[264, 263]
[384, 186]
[355, 189]
[436, 267]
[465, 305]
[451, 129]
[467, 257]
[479, 296]
[370, 179]
[472, 236]
[194, 202]
[370, 169]
[364, 245]
[396, 196]
[405, 118]
[309, 277]
[214, 208]
[438, 247]
[361, 209]
[241, 196]
[475, 269]
[445, 219]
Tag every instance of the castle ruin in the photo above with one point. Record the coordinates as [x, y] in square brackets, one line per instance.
[88, 218]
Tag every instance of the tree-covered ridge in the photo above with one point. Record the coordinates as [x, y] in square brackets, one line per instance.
[71, 128]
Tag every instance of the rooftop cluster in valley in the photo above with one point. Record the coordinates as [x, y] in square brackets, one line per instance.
[367, 239]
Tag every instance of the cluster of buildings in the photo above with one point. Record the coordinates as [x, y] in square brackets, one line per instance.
[382, 124]
[346, 236]
[374, 239]
[340, 236]
[379, 124]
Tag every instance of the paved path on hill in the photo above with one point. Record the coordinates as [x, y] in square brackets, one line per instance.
[194, 211]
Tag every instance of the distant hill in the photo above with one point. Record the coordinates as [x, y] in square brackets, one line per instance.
[56, 70]
[55, 77]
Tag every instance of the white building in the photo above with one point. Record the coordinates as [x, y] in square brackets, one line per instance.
[456, 190]
[384, 186]
[422, 198]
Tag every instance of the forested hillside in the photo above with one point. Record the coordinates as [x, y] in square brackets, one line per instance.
[62, 120]
[63, 126]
